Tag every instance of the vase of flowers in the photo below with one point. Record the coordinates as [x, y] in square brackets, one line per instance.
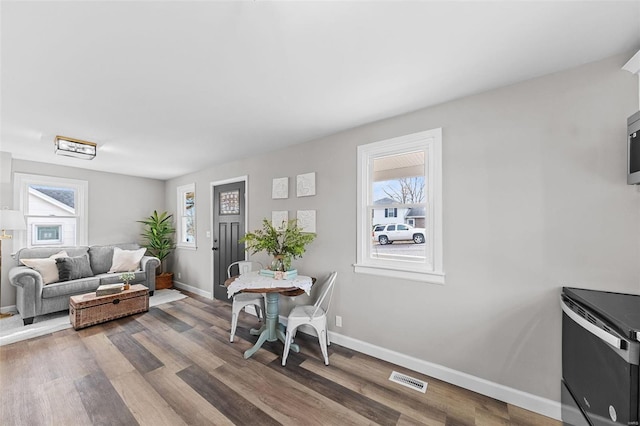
[284, 244]
[126, 277]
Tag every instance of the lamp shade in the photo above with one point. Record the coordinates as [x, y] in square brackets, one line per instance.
[12, 220]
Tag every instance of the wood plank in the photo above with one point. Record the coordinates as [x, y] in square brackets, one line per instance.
[184, 400]
[143, 360]
[284, 399]
[520, 416]
[216, 342]
[170, 320]
[111, 361]
[406, 420]
[101, 401]
[58, 393]
[364, 379]
[145, 404]
[230, 403]
[169, 356]
[372, 410]
[188, 347]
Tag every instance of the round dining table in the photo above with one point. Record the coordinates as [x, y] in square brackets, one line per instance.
[271, 330]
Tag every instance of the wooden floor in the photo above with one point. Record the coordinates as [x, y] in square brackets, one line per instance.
[174, 365]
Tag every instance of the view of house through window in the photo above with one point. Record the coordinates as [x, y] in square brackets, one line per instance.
[54, 210]
[400, 207]
[398, 188]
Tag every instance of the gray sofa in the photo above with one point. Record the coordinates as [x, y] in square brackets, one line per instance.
[34, 298]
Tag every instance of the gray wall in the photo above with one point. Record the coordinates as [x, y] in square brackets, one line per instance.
[116, 202]
[534, 198]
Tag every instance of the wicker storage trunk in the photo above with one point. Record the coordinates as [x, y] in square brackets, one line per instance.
[89, 309]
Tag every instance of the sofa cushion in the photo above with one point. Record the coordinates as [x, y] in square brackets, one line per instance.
[69, 288]
[72, 268]
[44, 252]
[126, 260]
[46, 267]
[101, 257]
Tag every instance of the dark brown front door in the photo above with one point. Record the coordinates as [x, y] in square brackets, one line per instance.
[228, 228]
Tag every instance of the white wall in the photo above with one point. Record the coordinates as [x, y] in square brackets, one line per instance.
[116, 202]
[534, 198]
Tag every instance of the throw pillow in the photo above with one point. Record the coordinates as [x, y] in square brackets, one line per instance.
[126, 260]
[47, 266]
[72, 268]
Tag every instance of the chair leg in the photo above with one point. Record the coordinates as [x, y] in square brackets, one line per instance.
[234, 324]
[259, 312]
[322, 339]
[264, 309]
[287, 345]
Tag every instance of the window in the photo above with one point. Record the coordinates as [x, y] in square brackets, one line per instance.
[391, 212]
[46, 234]
[54, 208]
[401, 176]
[186, 216]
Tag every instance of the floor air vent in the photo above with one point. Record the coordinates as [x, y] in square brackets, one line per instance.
[409, 382]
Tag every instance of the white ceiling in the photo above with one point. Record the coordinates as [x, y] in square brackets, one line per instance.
[167, 88]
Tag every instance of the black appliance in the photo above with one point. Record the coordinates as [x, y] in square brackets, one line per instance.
[633, 149]
[600, 358]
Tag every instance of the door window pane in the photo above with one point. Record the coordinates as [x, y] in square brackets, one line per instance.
[230, 202]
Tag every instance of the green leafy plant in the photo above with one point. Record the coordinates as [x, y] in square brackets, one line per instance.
[158, 232]
[127, 276]
[288, 243]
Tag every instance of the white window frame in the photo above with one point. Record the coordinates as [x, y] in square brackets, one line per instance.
[181, 191]
[21, 184]
[432, 270]
[35, 235]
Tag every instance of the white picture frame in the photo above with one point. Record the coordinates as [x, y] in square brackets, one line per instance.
[278, 218]
[307, 220]
[280, 188]
[306, 185]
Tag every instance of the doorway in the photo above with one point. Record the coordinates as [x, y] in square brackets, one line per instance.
[228, 226]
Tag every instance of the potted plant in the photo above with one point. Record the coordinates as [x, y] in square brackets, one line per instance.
[283, 244]
[158, 232]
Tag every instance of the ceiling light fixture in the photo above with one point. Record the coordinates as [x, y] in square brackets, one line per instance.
[75, 148]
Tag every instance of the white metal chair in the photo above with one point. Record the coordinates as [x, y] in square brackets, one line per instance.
[240, 300]
[313, 315]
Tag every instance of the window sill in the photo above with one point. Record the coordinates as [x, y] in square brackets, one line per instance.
[186, 247]
[428, 277]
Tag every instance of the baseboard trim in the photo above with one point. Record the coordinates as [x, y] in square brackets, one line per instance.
[525, 400]
[11, 309]
[195, 290]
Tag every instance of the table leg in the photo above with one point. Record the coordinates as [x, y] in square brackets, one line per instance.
[270, 331]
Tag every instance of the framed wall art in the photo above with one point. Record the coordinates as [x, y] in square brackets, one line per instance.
[306, 185]
[280, 188]
[307, 220]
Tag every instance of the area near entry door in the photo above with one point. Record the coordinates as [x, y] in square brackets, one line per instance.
[228, 228]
